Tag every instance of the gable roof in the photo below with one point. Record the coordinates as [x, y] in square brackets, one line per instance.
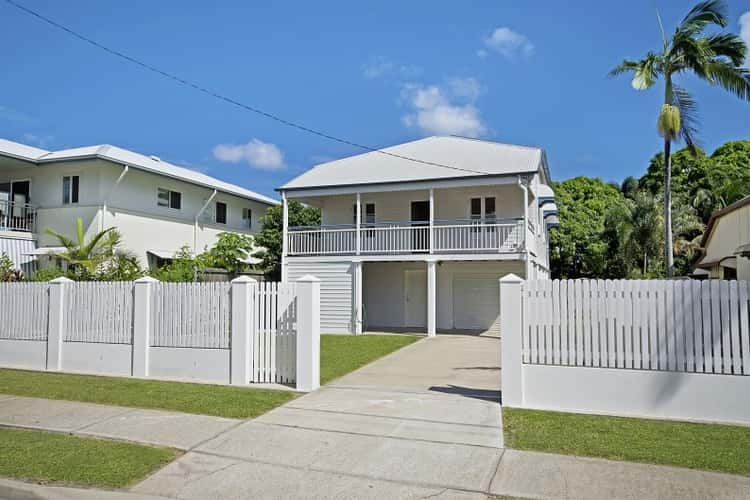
[132, 159]
[717, 215]
[441, 157]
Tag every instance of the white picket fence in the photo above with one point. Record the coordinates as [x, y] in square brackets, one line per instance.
[168, 330]
[658, 348]
[684, 325]
[191, 315]
[24, 309]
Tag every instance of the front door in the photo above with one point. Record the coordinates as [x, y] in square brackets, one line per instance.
[415, 289]
[420, 219]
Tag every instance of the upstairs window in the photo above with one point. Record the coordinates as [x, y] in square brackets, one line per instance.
[475, 210]
[221, 212]
[247, 218]
[368, 213]
[169, 199]
[70, 189]
[489, 208]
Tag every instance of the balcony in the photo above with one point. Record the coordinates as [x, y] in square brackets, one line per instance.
[17, 216]
[394, 238]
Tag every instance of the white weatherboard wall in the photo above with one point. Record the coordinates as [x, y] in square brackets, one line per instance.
[336, 291]
[667, 349]
[180, 331]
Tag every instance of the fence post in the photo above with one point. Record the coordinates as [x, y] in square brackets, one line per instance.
[308, 333]
[241, 344]
[143, 288]
[56, 330]
[511, 330]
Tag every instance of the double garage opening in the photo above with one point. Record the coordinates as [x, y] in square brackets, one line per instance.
[394, 294]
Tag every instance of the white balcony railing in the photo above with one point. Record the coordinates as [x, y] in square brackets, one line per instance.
[457, 236]
[17, 216]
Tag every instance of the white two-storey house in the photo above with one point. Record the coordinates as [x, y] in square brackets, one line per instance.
[156, 206]
[421, 245]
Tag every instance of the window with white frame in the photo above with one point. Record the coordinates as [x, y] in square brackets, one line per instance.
[169, 199]
[482, 208]
[368, 214]
[247, 218]
[70, 187]
[221, 212]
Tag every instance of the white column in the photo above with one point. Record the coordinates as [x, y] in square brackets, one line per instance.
[526, 227]
[243, 320]
[432, 217]
[511, 330]
[357, 297]
[359, 221]
[143, 288]
[56, 330]
[308, 334]
[284, 236]
[431, 297]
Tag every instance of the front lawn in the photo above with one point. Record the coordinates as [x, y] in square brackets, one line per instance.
[46, 456]
[341, 354]
[217, 400]
[722, 448]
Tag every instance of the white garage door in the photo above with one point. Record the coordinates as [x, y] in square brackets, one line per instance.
[476, 303]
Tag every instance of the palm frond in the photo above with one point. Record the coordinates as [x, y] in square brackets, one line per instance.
[64, 240]
[703, 14]
[88, 248]
[688, 116]
[731, 78]
[645, 72]
[728, 45]
[626, 66]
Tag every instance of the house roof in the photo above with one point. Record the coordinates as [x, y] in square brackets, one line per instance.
[441, 157]
[710, 229]
[132, 159]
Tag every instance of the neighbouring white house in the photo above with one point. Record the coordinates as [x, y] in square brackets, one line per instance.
[726, 243]
[156, 206]
[421, 245]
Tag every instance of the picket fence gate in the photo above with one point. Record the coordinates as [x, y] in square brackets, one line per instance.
[666, 325]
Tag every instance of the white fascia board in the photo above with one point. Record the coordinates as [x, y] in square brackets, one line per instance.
[478, 180]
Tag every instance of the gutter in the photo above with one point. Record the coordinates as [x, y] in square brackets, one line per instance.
[197, 216]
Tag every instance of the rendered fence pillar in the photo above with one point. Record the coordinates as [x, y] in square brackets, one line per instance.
[431, 297]
[511, 327]
[143, 288]
[243, 296]
[308, 333]
[56, 330]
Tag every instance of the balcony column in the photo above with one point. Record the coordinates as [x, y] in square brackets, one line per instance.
[357, 297]
[284, 236]
[526, 226]
[432, 218]
[431, 297]
[359, 221]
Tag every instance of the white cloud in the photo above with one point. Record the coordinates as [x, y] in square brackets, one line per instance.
[509, 43]
[448, 109]
[745, 27]
[380, 67]
[256, 153]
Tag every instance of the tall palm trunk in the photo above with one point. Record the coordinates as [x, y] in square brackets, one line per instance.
[668, 257]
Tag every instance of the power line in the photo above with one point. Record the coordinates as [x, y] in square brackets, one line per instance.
[224, 98]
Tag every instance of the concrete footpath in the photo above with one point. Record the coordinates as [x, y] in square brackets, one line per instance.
[422, 422]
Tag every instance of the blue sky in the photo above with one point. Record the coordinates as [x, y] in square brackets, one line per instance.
[376, 73]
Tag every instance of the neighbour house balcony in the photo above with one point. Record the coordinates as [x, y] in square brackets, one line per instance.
[392, 238]
[17, 216]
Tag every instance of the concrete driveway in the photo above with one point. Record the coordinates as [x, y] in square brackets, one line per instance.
[423, 421]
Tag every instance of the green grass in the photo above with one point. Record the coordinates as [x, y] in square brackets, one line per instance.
[217, 400]
[722, 448]
[61, 458]
[341, 354]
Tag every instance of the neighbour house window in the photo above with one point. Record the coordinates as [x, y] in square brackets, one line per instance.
[221, 212]
[70, 189]
[476, 208]
[169, 199]
[489, 208]
[247, 218]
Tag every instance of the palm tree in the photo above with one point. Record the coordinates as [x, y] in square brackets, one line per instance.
[634, 220]
[87, 255]
[716, 58]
